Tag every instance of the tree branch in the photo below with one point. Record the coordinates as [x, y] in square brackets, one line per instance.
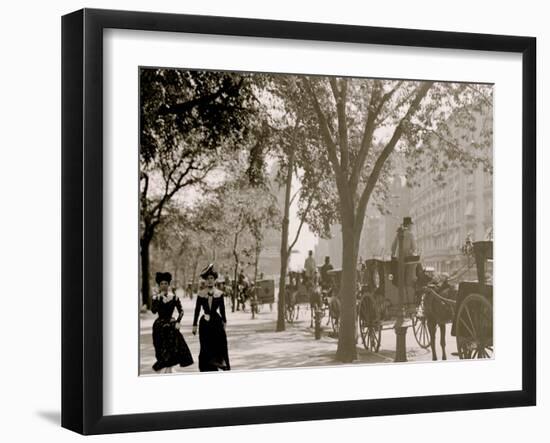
[145, 177]
[302, 220]
[340, 97]
[294, 196]
[331, 145]
[366, 142]
[483, 97]
[187, 106]
[388, 149]
[341, 176]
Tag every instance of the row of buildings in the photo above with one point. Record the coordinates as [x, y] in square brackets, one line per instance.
[444, 216]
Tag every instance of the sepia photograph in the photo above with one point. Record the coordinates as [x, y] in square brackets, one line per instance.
[296, 221]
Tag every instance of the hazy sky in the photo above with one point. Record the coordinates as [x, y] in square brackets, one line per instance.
[306, 241]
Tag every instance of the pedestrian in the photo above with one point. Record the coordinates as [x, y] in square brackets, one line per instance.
[213, 354]
[170, 346]
[243, 286]
[310, 269]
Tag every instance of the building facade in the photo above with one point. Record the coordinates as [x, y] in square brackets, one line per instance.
[331, 247]
[446, 215]
[379, 229]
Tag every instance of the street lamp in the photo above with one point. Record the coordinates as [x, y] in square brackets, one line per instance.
[399, 327]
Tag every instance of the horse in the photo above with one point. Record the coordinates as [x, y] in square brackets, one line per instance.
[438, 310]
[315, 302]
[291, 295]
[330, 302]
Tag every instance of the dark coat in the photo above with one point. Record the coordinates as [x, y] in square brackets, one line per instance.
[214, 353]
[202, 303]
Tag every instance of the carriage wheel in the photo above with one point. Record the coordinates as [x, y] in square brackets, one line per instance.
[369, 325]
[474, 328]
[372, 338]
[421, 333]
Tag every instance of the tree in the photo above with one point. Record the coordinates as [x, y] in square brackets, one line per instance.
[290, 146]
[248, 212]
[187, 119]
[363, 122]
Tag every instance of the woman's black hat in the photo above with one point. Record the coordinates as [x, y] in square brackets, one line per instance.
[209, 270]
[163, 276]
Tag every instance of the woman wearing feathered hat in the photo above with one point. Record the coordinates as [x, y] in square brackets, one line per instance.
[213, 354]
[170, 346]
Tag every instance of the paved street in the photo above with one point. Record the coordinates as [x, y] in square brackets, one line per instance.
[254, 344]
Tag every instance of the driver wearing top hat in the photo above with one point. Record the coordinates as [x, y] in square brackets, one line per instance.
[409, 249]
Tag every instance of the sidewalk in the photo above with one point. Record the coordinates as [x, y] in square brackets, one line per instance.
[254, 344]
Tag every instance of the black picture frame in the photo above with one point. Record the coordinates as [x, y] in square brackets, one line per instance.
[82, 219]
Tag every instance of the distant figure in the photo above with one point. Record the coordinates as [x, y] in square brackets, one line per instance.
[189, 290]
[325, 278]
[310, 269]
[242, 287]
[213, 341]
[170, 346]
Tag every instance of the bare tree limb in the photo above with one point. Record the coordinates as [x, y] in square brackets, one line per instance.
[388, 149]
[368, 133]
[341, 177]
[331, 145]
[302, 220]
[294, 197]
[481, 94]
[340, 97]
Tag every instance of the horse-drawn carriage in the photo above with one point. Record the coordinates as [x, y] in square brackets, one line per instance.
[379, 303]
[376, 297]
[302, 295]
[473, 320]
[262, 293]
[429, 304]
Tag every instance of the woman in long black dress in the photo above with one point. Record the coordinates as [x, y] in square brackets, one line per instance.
[213, 355]
[170, 346]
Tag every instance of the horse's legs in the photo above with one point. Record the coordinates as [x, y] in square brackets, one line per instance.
[442, 327]
[431, 328]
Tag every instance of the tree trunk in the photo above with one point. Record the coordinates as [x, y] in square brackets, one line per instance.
[175, 279]
[257, 253]
[194, 276]
[236, 258]
[144, 243]
[347, 351]
[285, 253]
[282, 290]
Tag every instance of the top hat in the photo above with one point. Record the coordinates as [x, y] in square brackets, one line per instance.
[163, 276]
[407, 221]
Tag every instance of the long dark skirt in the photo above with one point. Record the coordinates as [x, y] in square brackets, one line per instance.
[213, 355]
[170, 346]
